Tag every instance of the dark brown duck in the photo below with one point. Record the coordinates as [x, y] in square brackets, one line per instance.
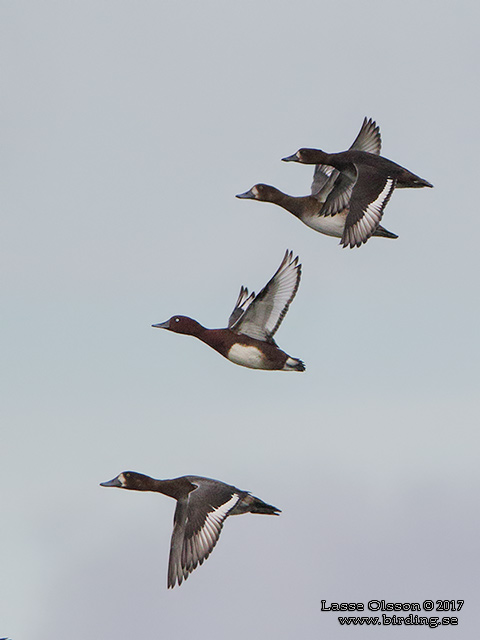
[203, 504]
[248, 339]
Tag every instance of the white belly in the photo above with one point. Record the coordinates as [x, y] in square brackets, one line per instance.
[328, 225]
[247, 356]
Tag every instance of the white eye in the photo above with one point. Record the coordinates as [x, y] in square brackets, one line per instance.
[177, 319]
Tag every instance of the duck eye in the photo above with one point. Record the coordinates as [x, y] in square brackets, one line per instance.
[177, 319]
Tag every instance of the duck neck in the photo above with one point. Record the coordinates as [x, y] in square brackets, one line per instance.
[341, 161]
[215, 338]
[175, 488]
[197, 330]
[297, 205]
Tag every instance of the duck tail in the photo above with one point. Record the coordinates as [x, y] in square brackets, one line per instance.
[293, 364]
[411, 181]
[381, 232]
[420, 182]
[259, 506]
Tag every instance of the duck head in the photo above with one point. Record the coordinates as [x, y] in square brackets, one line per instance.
[181, 324]
[307, 156]
[263, 192]
[128, 480]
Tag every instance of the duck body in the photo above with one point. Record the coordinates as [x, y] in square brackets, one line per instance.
[203, 504]
[250, 352]
[248, 339]
[236, 347]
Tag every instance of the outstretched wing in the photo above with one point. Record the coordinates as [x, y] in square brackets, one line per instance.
[265, 314]
[370, 196]
[197, 526]
[325, 178]
[369, 138]
[243, 302]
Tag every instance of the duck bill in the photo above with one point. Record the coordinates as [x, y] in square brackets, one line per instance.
[292, 158]
[162, 325]
[112, 483]
[246, 195]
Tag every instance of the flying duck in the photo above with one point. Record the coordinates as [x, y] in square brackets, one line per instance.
[365, 184]
[308, 209]
[248, 339]
[202, 506]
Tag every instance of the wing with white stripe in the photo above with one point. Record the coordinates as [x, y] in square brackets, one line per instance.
[265, 314]
[370, 196]
[200, 522]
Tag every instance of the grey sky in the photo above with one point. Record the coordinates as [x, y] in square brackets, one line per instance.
[127, 130]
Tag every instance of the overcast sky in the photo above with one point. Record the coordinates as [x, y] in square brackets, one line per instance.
[128, 127]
